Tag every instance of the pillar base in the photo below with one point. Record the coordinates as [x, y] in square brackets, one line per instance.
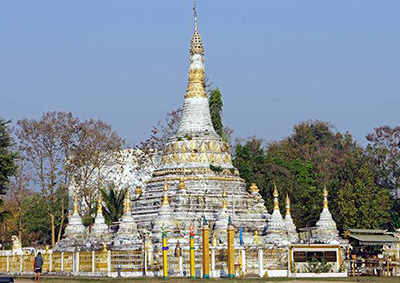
[191, 277]
[206, 276]
[231, 275]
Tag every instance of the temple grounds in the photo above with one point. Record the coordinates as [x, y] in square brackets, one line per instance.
[182, 280]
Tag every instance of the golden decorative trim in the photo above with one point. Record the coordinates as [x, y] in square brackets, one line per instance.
[210, 178]
[193, 170]
[196, 85]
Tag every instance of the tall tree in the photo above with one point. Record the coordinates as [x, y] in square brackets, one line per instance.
[215, 103]
[384, 150]
[46, 145]
[98, 153]
[8, 167]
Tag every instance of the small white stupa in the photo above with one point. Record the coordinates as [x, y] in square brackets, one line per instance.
[100, 228]
[291, 228]
[276, 229]
[75, 228]
[326, 231]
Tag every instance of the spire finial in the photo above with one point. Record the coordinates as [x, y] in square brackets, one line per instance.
[165, 196]
[287, 205]
[224, 196]
[196, 45]
[76, 203]
[325, 194]
[275, 194]
[100, 204]
[195, 15]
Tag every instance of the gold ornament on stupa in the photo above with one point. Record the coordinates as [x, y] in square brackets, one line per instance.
[181, 185]
[214, 240]
[165, 197]
[256, 239]
[224, 196]
[100, 204]
[287, 205]
[127, 202]
[254, 188]
[138, 190]
[76, 204]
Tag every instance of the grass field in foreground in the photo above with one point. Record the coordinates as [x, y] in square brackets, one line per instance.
[182, 280]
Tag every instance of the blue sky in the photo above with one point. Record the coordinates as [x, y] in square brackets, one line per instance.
[276, 62]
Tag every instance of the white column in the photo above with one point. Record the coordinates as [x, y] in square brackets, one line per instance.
[77, 262]
[108, 261]
[93, 262]
[62, 261]
[180, 264]
[243, 261]
[213, 263]
[260, 263]
[8, 263]
[338, 257]
[145, 261]
[21, 263]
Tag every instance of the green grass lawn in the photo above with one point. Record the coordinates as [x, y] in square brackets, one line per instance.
[182, 280]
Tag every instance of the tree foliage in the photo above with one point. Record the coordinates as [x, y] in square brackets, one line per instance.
[215, 103]
[314, 156]
[113, 199]
[8, 167]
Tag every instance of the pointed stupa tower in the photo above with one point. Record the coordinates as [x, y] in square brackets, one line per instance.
[127, 233]
[164, 219]
[290, 227]
[75, 227]
[276, 229]
[199, 157]
[326, 231]
[75, 232]
[100, 228]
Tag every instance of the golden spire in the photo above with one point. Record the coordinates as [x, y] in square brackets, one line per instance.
[127, 206]
[214, 240]
[275, 194]
[196, 45]
[76, 204]
[325, 194]
[99, 204]
[254, 188]
[256, 239]
[181, 185]
[138, 190]
[165, 197]
[224, 196]
[287, 205]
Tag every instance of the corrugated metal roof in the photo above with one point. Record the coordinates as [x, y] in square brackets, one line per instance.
[367, 231]
[374, 238]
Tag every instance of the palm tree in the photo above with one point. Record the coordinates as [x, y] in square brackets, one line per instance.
[113, 199]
